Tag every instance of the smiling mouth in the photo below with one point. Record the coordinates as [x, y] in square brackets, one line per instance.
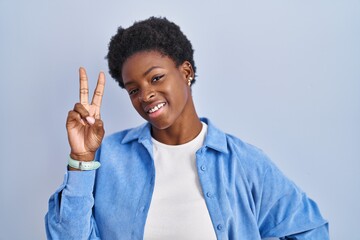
[155, 108]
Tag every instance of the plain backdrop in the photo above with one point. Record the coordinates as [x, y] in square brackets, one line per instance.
[281, 75]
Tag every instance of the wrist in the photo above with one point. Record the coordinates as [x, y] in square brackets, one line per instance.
[86, 157]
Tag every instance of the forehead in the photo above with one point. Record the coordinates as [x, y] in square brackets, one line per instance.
[139, 63]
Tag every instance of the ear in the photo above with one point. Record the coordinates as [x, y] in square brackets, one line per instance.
[187, 70]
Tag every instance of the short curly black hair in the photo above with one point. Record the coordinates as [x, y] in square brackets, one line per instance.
[154, 33]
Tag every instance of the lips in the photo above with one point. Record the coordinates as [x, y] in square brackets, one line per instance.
[154, 108]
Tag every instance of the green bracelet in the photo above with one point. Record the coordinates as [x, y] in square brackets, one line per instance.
[84, 166]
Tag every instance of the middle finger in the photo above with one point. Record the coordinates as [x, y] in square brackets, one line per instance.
[98, 93]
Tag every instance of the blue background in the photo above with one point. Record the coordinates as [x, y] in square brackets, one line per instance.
[282, 75]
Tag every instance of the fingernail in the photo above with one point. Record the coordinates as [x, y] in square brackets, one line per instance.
[90, 120]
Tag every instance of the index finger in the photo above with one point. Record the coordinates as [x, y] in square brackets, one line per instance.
[98, 93]
[84, 88]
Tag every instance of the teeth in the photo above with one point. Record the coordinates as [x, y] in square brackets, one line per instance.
[157, 107]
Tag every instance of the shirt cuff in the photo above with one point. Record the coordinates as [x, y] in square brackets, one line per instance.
[79, 183]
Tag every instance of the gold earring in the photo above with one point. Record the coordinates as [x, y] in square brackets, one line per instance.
[190, 80]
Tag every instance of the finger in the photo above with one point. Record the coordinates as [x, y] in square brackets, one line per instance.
[73, 116]
[84, 88]
[83, 114]
[80, 109]
[98, 94]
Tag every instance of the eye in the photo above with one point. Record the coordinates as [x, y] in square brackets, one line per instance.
[157, 78]
[133, 91]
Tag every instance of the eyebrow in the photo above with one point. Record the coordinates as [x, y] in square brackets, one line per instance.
[150, 69]
[144, 74]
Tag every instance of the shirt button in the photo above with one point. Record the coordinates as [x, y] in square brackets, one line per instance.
[219, 227]
[203, 167]
[209, 194]
[142, 209]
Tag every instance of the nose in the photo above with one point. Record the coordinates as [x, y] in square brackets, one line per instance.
[146, 95]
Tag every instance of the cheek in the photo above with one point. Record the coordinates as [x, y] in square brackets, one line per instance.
[136, 105]
[181, 94]
[177, 93]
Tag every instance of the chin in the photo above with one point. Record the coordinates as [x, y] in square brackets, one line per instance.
[161, 124]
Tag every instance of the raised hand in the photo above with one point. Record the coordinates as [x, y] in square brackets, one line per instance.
[84, 127]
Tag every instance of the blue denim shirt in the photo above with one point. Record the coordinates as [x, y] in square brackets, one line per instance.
[246, 195]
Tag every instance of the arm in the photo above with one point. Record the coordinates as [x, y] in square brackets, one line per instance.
[321, 232]
[287, 212]
[70, 208]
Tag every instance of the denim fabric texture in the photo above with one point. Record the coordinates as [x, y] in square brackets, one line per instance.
[246, 195]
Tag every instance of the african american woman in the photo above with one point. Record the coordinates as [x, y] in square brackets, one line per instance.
[177, 176]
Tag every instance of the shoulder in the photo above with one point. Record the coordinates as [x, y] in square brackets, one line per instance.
[233, 146]
[237, 154]
[123, 143]
[115, 138]
[251, 159]
[127, 135]
[246, 152]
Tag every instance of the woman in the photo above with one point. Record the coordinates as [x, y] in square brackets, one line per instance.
[177, 176]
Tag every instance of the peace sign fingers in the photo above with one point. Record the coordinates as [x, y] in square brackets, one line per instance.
[94, 107]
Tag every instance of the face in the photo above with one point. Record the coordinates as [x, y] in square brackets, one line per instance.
[158, 89]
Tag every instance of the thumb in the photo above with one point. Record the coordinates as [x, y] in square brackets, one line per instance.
[90, 120]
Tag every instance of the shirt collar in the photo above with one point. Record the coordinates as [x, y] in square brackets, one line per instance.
[215, 138]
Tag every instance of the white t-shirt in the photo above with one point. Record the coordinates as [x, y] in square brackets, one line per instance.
[178, 209]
